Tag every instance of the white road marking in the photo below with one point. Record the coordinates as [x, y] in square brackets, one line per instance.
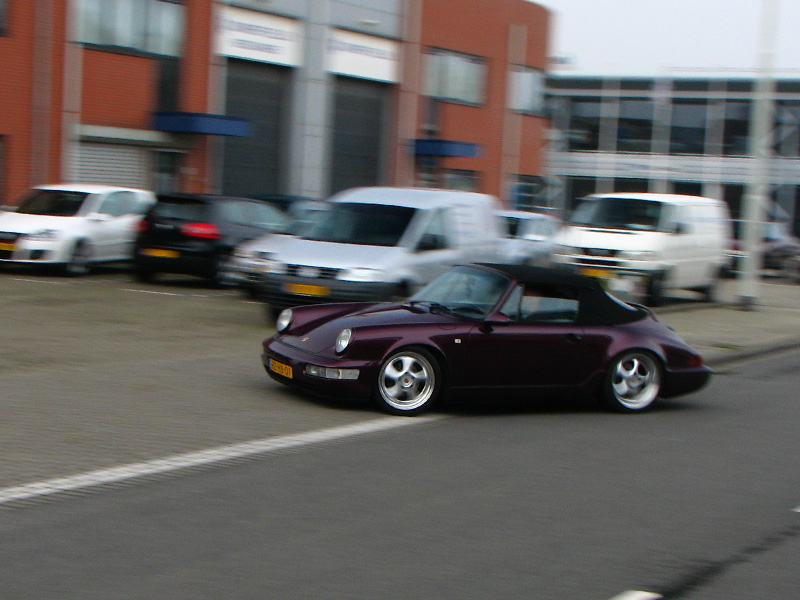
[202, 458]
[635, 595]
[151, 292]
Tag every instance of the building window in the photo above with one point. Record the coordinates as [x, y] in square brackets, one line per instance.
[635, 126]
[787, 128]
[529, 193]
[460, 179]
[736, 129]
[584, 125]
[454, 77]
[154, 26]
[526, 90]
[3, 11]
[688, 130]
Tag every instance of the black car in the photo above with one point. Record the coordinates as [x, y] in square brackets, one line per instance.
[195, 234]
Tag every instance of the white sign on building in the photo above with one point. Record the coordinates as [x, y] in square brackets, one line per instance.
[253, 35]
[364, 56]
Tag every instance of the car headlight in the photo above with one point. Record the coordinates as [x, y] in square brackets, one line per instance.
[637, 255]
[343, 340]
[362, 274]
[284, 320]
[268, 265]
[44, 235]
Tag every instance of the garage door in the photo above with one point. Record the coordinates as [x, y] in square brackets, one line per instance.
[113, 164]
[360, 124]
[255, 165]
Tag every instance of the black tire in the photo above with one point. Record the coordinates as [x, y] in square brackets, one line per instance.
[655, 290]
[410, 382]
[711, 291]
[143, 275]
[632, 382]
[79, 263]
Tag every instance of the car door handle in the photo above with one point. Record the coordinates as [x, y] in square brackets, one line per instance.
[574, 337]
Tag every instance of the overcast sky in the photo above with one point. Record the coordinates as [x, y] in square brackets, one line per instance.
[671, 37]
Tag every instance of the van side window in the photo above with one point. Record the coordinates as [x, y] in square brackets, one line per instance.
[434, 237]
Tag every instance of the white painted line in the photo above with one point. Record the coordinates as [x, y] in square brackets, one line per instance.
[151, 292]
[40, 281]
[634, 595]
[202, 458]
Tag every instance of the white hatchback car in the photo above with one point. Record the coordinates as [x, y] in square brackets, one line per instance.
[529, 237]
[73, 226]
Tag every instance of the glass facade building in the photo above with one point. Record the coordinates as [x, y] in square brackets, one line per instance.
[669, 135]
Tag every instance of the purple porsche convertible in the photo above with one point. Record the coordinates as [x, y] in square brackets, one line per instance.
[485, 328]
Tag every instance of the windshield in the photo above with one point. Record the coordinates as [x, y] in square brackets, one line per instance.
[619, 213]
[55, 203]
[464, 290]
[366, 224]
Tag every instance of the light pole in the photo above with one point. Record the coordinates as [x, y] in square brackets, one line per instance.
[760, 151]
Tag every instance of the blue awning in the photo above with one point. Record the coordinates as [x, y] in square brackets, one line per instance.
[186, 122]
[436, 147]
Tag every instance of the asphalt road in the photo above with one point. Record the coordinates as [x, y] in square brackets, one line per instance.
[693, 500]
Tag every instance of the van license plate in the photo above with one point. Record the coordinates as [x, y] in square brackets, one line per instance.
[7, 247]
[305, 289]
[280, 368]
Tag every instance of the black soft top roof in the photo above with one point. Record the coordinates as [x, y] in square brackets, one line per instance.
[597, 307]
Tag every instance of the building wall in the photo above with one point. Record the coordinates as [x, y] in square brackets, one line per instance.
[504, 33]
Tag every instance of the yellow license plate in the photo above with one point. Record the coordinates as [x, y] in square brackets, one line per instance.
[280, 368]
[306, 289]
[602, 273]
[161, 253]
[5, 246]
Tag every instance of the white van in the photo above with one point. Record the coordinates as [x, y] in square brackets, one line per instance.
[643, 245]
[380, 243]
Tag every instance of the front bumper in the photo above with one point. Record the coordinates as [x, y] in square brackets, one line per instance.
[277, 356]
[282, 291]
[23, 251]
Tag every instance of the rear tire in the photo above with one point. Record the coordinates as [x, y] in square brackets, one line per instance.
[655, 290]
[143, 275]
[633, 382]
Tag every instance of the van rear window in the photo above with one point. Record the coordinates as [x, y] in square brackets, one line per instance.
[365, 224]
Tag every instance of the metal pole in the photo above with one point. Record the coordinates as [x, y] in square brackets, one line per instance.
[760, 152]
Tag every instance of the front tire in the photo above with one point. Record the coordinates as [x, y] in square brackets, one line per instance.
[633, 382]
[78, 264]
[409, 382]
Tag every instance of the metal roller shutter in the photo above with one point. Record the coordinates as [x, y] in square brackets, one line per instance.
[360, 121]
[113, 164]
[254, 166]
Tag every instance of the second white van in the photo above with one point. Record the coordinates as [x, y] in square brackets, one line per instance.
[643, 245]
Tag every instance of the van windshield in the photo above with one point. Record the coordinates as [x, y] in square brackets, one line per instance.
[619, 213]
[356, 223]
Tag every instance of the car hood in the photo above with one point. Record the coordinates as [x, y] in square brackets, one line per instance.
[386, 320]
[300, 251]
[24, 223]
[616, 239]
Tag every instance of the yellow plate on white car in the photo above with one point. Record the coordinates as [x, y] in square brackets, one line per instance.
[280, 368]
[161, 253]
[306, 289]
[5, 246]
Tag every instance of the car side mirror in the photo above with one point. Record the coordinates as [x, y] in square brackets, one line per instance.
[99, 217]
[680, 228]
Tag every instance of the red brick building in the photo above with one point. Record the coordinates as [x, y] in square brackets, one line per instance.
[135, 92]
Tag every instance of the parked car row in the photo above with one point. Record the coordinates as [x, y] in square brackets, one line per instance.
[379, 243]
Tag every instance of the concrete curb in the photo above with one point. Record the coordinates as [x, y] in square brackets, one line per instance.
[755, 351]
